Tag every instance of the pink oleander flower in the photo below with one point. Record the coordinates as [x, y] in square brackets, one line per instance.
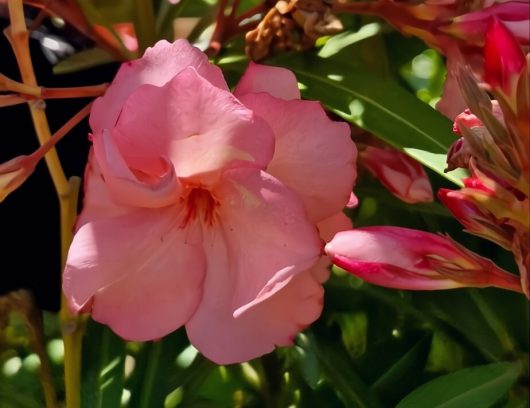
[400, 174]
[403, 258]
[202, 207]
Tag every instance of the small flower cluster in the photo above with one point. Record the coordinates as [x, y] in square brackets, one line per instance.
[494, 146]
[494, 203]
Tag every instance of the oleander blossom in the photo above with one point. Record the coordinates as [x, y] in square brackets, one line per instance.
[205, 208]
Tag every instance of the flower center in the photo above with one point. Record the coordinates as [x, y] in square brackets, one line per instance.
[201, 205]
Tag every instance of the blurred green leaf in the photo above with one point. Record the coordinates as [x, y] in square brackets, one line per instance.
[457, 309]
[90, 58]
[405, 368]
[102, 367]
[337, 368]
[346, 38]
[479, 386]
[10, 397]
[155, 363]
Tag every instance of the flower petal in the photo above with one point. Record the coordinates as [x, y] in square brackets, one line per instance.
[158, 65]
[203, 129]
[97, 201]
[145, 248]
[314, 155]
[268, 235]
[158, 296]
[159, 186]
[331, 225]
[276, 81]
[503, 57]
[226, 339]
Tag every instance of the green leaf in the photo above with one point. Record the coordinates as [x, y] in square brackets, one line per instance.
[479, 386]
[155, 363]
[90, 58]
[335, 367]
[437, 161]
[342, 40]
[379, 106]
[103, 367]
[411, 363]
[457, 309]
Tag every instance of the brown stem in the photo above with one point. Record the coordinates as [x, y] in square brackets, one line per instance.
[33, 91]
[75, 92]
[57, 136]
[10, 100]
[217, 37]
[229, 26]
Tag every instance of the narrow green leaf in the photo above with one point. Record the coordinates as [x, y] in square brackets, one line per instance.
[103, 367]
[144, 24]
[338, 370]
[436, 161]
[338, 42]
[480, 386]
[410, 363]
[448, 306]
[155, 363]
[86, 59]
[379, 106]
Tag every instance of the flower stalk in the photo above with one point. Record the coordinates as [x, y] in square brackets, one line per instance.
[17, 34]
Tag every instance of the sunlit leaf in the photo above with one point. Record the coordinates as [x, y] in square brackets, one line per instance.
[480, 386]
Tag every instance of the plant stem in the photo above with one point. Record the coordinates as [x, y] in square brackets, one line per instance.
[67, 193]
[31, 91]
[57, 136]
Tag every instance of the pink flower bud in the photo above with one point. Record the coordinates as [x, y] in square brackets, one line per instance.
[458, 155]
[469, 120]
[503, 57]
[477, 221]
[401, 175]
[403, 258]
[15, 172]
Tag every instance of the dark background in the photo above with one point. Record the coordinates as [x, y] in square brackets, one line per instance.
[29, 217]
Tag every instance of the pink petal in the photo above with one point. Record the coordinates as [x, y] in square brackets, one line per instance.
[268, 236]
[152, 186]
[97, 202]
[331, 225]
[203, 129]
[225, 339]
[503, 57]
[391, 276]
[452, 101]
[276, 81]
[314, 155]
[158, 65]
[142, 274]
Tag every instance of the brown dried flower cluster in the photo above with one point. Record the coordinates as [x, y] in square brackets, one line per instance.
[292, 24]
